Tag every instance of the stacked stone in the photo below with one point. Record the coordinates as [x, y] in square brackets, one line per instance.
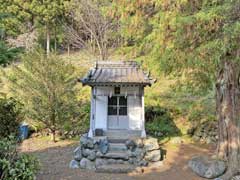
[205, 132]
[153, 153]
[143, 151]
[86, 154]
[94, 153]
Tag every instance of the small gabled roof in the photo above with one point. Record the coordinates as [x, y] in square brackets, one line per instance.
[116, 73]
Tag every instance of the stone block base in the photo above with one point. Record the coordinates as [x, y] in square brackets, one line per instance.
[99, 154]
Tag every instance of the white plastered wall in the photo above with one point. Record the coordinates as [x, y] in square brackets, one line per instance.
[135, 113]
[134, 108]
[101, 107]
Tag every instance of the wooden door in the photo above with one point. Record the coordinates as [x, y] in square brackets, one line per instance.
[117, 112]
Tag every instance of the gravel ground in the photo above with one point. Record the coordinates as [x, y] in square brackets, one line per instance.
[55, 158]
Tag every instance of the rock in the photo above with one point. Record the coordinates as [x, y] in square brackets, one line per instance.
[196, 138]
[92, 156]
[96, 146]
[206, 168]
[89, 154]
[111, 161]
[135, 161]
[209, 140]
[100, 162]
[86, 152]
[191, 131]
[153, 156]
[139, 142]
[131, 161]
[150, 144]
[103, 146]
[114, 155]
[83, 138]
[142, 163]
[86, 142]
[87, 164]
[138, 153]
[120, 161]
[131, 145]
[99, 154]
[78, 153]
[159, 134]
[235, 177]
[116, 168]
[74, 164]
[115, 161]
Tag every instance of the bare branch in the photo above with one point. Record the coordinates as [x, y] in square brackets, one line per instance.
[90, 29]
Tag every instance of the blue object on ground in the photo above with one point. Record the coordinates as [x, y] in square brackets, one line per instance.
[23, 131]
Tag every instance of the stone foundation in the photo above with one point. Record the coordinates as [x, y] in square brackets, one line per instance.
[98, 152]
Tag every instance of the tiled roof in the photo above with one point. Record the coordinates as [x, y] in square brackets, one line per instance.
[116, 72]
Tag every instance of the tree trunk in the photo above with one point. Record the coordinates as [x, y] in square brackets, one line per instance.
[55, 39]
[53, 138]
[228, 115]
[68, 49]
[48, 39]
[53, 122]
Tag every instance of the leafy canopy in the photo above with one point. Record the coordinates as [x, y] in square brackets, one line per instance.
[190, 37]
[27, 13]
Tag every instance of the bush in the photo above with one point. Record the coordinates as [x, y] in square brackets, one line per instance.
[159, 122]
[10, 116]
[8, 54]
[13, 165]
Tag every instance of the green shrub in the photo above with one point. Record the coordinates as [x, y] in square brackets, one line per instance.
[159, 122]
[10, 116]
[8, 54]
[14, 166]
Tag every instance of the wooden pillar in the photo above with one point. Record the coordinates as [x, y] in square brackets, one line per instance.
[92, 117]
[143, 133]
[95, 107]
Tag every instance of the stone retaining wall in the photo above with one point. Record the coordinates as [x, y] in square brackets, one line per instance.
[205, 132]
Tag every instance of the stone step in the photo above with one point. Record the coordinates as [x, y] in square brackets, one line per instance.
[116, 140]
[114, 155]
[122, 133]
[117, 168]
[117, 147]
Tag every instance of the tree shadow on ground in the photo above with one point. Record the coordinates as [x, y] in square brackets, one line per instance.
[175, 165]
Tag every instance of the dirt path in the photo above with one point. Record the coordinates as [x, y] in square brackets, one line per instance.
[55, 158]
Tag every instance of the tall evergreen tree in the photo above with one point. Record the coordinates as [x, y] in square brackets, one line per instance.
[200, 38]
